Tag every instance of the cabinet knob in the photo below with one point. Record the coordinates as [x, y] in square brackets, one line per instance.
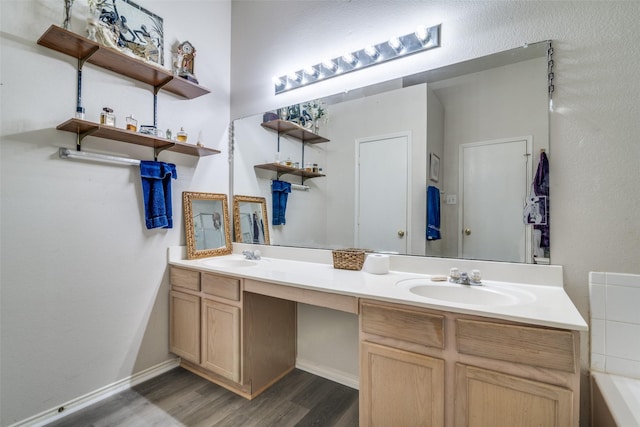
[467, 231]
[401, 233]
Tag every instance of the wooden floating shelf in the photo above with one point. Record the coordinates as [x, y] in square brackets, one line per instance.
[284, 127]
[288, 170]
[83, 127]
[82, 48]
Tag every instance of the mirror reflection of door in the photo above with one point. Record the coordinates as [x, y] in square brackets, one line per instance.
[493, 188]
[207, 224]
[381, 198]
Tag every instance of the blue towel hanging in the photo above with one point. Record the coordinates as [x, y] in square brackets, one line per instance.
[433, 213]
[156, 192]
[279, 192]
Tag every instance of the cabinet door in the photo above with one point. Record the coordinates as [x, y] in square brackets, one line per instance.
[221, 339]
[400, 388]
[184, 326]
[486, 398]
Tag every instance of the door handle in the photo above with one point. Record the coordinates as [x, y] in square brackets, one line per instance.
[401, 233]
[467, 231]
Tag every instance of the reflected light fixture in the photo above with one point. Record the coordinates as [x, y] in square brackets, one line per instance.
[423, 38]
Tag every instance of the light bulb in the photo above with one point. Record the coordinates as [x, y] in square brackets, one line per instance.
[395, 44]
[422, 34]
[372, 52]
[350, 59]
[294, 76]
[311, 71]
[330, 65]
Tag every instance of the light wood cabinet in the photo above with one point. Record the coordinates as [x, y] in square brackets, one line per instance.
[184, 330]
[239, 340]
[221, 339]
[418, 366]
[400, 388]
[482, 372]
[487, 398]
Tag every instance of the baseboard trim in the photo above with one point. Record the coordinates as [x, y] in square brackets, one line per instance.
[332, 374]
[95, 396]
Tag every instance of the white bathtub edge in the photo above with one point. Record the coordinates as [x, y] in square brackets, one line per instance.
[622, 396]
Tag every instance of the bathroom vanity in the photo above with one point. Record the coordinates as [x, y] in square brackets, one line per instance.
[440, 361]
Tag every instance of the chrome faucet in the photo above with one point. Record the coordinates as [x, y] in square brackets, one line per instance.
[251, 254]
[462, 278]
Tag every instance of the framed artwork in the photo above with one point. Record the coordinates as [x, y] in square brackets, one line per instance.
[136, 29]
[434, 167]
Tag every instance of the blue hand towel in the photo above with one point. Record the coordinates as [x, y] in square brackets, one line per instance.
[156, 191]
[433, 213]
[279, 194]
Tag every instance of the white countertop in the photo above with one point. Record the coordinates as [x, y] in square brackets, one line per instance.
[544, 305]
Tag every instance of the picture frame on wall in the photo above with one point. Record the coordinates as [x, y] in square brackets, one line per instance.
[138, 30]
[434, 167]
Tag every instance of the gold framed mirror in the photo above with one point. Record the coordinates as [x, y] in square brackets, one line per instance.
[206, 223]
[250, 221]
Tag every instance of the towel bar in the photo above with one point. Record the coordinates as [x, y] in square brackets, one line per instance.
[300, 187]
[65, 153]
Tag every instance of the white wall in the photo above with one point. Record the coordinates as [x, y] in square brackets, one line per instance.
[84, 283]
[593, 128]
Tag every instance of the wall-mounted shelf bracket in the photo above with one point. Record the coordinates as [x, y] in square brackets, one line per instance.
[89, 54]
[160, 85]
[156, 89]
[81, 135]
[158, 150]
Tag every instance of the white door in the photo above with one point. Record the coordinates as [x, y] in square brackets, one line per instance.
[494, 179]
[381, 198]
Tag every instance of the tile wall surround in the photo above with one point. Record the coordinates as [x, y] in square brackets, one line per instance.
[615, 323]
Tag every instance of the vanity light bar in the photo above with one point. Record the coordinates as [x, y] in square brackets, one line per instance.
[424, 38]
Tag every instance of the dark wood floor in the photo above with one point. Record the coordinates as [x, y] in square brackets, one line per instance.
[180, 398]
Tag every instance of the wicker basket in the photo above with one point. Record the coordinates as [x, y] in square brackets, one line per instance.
[348, 259]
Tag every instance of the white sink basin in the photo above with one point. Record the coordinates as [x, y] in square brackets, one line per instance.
[485, 295]
[229, 262]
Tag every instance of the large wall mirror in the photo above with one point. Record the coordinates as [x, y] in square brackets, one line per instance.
[482, 124]
[206, 223]
[250, 220]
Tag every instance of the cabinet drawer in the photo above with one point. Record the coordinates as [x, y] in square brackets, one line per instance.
[187, 279]
[403, 324]
[545, 348]
[221, 286]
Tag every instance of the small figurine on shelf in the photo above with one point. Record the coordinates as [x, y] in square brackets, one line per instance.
[183, 62]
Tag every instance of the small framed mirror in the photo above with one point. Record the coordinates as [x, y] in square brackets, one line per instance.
[250, 222]
[206, 223]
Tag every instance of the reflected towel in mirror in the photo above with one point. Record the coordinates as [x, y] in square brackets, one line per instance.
[156, 192]
[541, 189]
[279, 192]
[433, 213]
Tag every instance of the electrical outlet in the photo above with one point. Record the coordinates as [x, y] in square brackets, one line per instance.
[452, 199]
